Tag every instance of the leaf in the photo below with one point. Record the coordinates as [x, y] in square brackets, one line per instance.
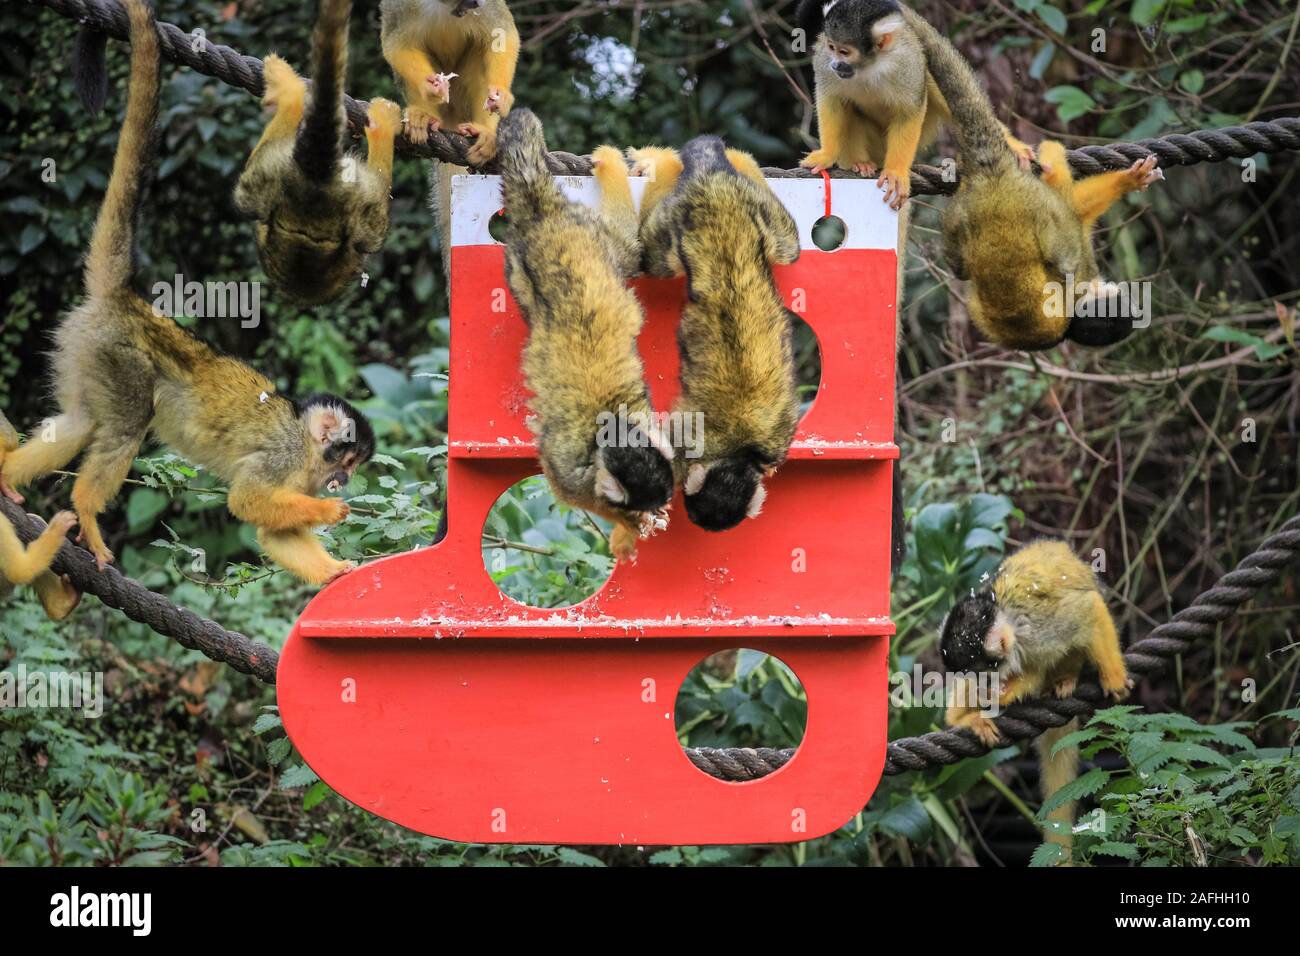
[908, 819]
[143, 507]
[31, 237]
[1042, 60]
[669, 857]
[1125, 851]
[1047, 854]
[1075, 739]
[1193, 81]
[1145, 11]
[1076, 789]
[317, 792]
[277, 750]
[266, 722]
[299, 775]
[1054, 18]
[575, 858]
[1071, 102]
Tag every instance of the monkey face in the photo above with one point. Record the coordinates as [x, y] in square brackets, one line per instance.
[636, 476]
[965, 635]
[345, 437]
[858, 32]
[724, 493]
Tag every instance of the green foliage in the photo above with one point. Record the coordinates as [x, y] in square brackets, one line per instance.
[1190, 794]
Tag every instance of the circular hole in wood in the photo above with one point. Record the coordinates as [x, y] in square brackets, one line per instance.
[741, 698]
[541, 552]
[497, 225]
[829, 233]
[807, 363]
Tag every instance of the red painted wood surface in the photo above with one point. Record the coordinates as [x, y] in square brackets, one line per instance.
[417, 690]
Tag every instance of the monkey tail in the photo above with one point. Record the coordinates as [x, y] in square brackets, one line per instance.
[527, 185]
[316, 151]
[111, 261]
[1054, 772]
[979, 134]
[89, 59]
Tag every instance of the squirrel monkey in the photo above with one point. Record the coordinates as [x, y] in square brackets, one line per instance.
[1036, 625]
[122, 370]
[456, 60]
[319, 213]
[708, 213]
[877, 104]
[21, 565]
[566, 265]
[1019, 238]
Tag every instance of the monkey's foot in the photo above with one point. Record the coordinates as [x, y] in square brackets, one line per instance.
[342, 568]
[818, 161]
[1066, 687]
[438, 86]
[869, 170]
[1118, 692]
[384, 116]
[499, 101]
[897, 184]
[485, 145]
[419, 123]
[66, 602]
[1025, 154]
[103, 556]
[1143, 173]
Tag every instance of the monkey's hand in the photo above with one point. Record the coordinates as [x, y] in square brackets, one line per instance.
[485, 143]
[622, 542]
[499, 101]
[869, 170]
[897, 184]
[1143, 173]
[419, 123]
[94, 543]
[438, 86]
[63, 522]
[334, 510]
[1065, 688]
[344, 567]
[7, 489]
[818, 160]
[984, 728]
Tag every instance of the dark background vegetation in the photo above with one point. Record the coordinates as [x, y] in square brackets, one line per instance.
[1111, 449]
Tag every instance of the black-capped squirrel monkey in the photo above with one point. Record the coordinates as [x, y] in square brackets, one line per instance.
[1021, 239]
[456, 60]
[21, 565]
[877, 104]
[121, 371]
[567, 266]
[1036, 625]
[319, 211]
[709, 214]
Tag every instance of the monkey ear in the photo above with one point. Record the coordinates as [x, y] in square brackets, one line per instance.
[695, 476]
[610, 488]
[885, 31]
[756, 503]
[325, 423]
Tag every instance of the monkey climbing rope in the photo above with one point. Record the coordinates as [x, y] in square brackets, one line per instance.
[232, 67]
[1021, 721]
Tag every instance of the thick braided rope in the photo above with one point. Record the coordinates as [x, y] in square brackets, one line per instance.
[1028, 719]
[232, 67]
[149, 608]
